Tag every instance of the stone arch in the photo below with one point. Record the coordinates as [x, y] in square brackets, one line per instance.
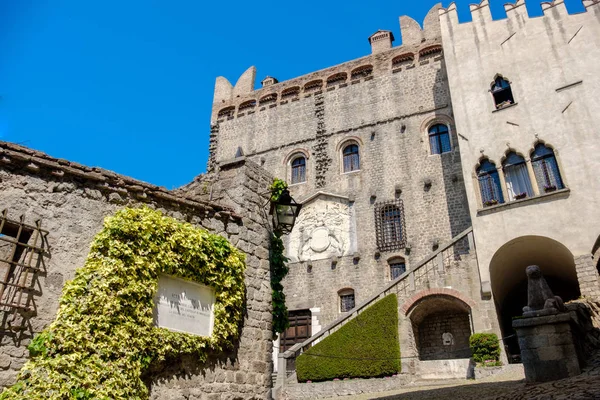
[596, 253]
[361, 72]
[290, 157]
[348, 140]
[441, 324]
[316, 84]
[226, 112]
[412, 301]
[403, 59]
[556, 157]
[335, 79]
[509, 282]
[267, 99]
[295, 153]
[293, 91]
[429, 51]
[441, 119]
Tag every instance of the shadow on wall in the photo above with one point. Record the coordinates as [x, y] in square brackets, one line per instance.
[453, 180]
[509, 281]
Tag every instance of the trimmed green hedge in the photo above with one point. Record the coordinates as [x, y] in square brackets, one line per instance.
[485, 347]
[103, 339]
[365, 347]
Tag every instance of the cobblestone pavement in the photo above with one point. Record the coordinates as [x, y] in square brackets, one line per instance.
[504, 386]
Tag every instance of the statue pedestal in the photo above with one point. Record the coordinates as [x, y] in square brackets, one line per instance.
[547, 346]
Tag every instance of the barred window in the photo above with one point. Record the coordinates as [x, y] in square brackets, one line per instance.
[21, 252]
[347, 301]
[299, 170]
[397, 267]
[489, 184]
[351, 158]
[545, 169]
[439, 139]
[389, 224]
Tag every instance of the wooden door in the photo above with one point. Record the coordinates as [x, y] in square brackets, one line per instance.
[298, 331]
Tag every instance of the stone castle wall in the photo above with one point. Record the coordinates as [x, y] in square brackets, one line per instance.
[387, 113]
[71, 202]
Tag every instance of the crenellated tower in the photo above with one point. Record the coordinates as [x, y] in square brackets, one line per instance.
[525, 99]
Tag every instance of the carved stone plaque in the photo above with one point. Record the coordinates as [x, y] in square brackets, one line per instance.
[325, 228]
[184, 306]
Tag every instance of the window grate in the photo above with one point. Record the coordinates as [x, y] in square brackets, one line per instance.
[21, 260]
[389, 225]
[347, 302]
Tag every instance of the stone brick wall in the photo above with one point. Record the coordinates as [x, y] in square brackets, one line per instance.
[430, 331]
[71, 202]
[388, 114]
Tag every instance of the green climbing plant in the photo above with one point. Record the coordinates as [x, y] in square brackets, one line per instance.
[103, 339]
[279, 268]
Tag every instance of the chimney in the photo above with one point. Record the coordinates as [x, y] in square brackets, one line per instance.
[381, 41]
[268, 81]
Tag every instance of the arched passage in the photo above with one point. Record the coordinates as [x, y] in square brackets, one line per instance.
[509, 282]
[442, 327]
[596, 254]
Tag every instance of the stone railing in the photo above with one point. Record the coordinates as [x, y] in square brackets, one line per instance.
[417, 277]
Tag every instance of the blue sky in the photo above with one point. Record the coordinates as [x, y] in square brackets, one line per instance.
[128, 85]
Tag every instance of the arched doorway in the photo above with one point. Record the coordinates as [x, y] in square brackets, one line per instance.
[442, 326]
[509, 281]
[596, 254]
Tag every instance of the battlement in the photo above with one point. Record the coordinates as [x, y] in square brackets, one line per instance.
[419, 46]
[517, 11]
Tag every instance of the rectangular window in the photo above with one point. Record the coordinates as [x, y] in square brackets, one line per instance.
[396, 270]
[21, 251]
[346, 302]
[389, 225]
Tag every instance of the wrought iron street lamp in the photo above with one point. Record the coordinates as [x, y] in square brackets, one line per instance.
[284, 211]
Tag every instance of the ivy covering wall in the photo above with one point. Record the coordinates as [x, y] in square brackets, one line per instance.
[104, 339]
[279, 268]
[367, 346]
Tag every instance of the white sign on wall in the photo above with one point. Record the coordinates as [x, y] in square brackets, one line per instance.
[184, 306]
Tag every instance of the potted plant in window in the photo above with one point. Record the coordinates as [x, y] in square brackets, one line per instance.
[549, 188]
[520, 196]
[491, 202]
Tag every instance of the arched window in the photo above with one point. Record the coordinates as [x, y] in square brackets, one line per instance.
[397, 267]
[299, 170]
[545, 169]
[351, 158]
[439, 139]
[518, 184]
[502, 93]
[347, 301]
[489, 184]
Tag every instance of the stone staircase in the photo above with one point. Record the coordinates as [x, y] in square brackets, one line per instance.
[424, 274]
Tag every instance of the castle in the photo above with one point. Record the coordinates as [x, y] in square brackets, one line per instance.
[489, 124]
[436, 170]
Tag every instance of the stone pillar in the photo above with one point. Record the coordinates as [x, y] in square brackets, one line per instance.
[246, 373]
[547, 347]
[546, 333]
[587, 275]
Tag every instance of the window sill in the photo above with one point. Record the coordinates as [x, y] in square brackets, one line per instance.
[505, 107]
[297, 184]
[562, 193]
[351, 172]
